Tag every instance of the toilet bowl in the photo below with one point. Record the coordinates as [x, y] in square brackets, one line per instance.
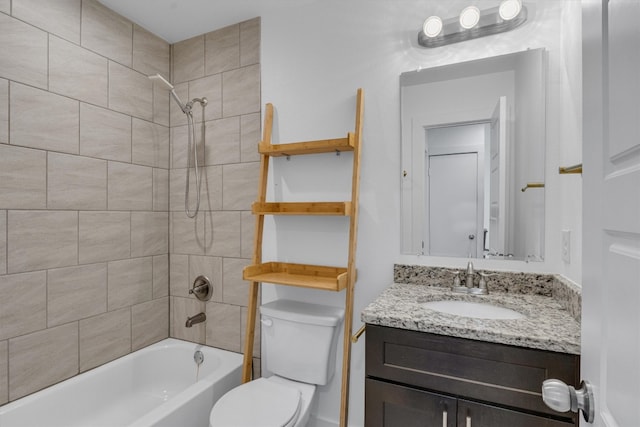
[299, 348]
[265, 402]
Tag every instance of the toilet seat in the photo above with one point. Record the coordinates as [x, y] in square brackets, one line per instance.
[258, 403]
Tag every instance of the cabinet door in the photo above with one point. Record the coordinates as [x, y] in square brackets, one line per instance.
[472, 414]
[392, 405]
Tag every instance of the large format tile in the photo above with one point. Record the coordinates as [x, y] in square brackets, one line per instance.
[41, 239]
[41, 359]
[24, 52]
[256, 335]
[4, 372]
[130, 92]
[75, 182]
[23, 178]
[60, 17]
[149, 233]
[235, 290]
[176, 116]
[160, 189]
[130, 187]
[222, 233]
[188, 59]
[76, 293]
[187, 235]
[180, 151]
[3, 242]
[211, 268]
[247, 228]
[76, 72]
[130, 282]
[211, 191]
[104, 236]
[223, 326]
[23, 303]
[209, 87]
[179, 275]
[223, 141]
[41, 119]
[250, 42]
[104, 338]
[161, 108]
[150, 144]
[5, 6]
[222, 51]
[106, 32]
[4, 111]
[151, 54]
[241, 91]
[149, 322]
[249, 137]
[160, 275]
[104, 133]
[240, 183]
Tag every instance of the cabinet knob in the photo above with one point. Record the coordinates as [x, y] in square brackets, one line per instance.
[562, 398]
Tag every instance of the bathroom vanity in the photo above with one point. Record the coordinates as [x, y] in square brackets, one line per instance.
[426, 367]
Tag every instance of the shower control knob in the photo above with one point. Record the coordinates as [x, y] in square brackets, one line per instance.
[202, 288]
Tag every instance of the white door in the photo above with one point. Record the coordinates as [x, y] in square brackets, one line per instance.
[498, 180]
[611, 209]
[453, 205]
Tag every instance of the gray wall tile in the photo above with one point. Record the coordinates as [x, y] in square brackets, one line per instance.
[211, 191]
[250, 42]
[149, 322]
[235, 290]
[104, 338]
[223, 326]
[5, 6]
[75, 182]
[106, 32]
[4, 372]
[23, 178]
[179, 275]
[75, 293]
[130, 187]
[241, 91]
[30, 356]
[150, 144]
[223, 141]
[223, 233]
[151, 54]
[60, 17]
[160, 189]
[149, 233]
[209, 87]
[104, 133]
[239, 187]
[160, 276]
[76, 72]
[210, 267]
[3, 242]
[23, 303]
[177, 117]
[222, 49]
[183, 308]
[130, 282]
[187, 235]
[4, 111]
[40, 119]
[130, 92]
[180, 152]
[256, 335]
[247, 226]
[27, 48]
[104, 236]
[161, 105]
[188, 59]
[250, 137]
[41, 239]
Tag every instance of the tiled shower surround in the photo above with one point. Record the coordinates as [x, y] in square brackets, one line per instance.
[96, 253]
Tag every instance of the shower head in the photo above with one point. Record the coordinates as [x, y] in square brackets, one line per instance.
[157, 78]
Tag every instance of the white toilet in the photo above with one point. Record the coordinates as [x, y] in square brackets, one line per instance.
[299, 342]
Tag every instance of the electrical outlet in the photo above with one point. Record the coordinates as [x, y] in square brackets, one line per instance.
[566, 246]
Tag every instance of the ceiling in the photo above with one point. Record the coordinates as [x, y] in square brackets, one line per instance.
[176, 20]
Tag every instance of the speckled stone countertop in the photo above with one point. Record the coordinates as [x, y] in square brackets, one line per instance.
[547, 325]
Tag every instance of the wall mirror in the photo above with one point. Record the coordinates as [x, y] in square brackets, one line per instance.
[473, 151]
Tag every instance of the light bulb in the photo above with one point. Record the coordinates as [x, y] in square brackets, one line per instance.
[469, 17]
[509, 9]
[432, 26]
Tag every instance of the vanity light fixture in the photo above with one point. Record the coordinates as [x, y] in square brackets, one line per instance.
[472, 23]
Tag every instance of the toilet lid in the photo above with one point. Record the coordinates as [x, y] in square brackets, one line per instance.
[256, 404]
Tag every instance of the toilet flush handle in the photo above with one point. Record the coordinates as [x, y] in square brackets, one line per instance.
[267, 322]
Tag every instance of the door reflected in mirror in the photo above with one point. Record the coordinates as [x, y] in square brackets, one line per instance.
[472, 136]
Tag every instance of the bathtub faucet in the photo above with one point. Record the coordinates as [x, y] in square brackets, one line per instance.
[198, 318]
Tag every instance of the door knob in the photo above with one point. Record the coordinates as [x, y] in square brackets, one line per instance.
[562, 398]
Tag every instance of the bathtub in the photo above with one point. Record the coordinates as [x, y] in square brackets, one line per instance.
[154, 386]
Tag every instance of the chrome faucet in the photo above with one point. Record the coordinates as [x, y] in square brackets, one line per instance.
[469, 287]
[198, 318]
[470, 274]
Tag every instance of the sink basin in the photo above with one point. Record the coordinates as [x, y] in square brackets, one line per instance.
[477, 310]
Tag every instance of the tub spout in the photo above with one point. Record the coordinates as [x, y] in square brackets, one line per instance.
[198, 318]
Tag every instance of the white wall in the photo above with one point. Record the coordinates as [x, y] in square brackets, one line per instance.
[314, 57]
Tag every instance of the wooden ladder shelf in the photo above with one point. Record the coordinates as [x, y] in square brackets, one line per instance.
[302, 275]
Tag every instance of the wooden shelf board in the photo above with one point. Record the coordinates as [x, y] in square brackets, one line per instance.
[308, 147]
[302, 208]
[301, 275]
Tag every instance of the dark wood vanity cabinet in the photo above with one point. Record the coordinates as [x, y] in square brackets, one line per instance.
[428, 380]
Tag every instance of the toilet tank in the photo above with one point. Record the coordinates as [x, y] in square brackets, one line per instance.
[300, 340]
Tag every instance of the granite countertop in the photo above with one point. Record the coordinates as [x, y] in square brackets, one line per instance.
[547, 325]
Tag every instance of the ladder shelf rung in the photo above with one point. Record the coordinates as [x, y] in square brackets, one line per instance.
[302, 208]
[308, 147]
[301, 275]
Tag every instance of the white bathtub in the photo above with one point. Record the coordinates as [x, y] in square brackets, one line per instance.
[154, 386]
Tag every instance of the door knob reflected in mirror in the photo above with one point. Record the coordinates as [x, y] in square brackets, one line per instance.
[563, 398]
